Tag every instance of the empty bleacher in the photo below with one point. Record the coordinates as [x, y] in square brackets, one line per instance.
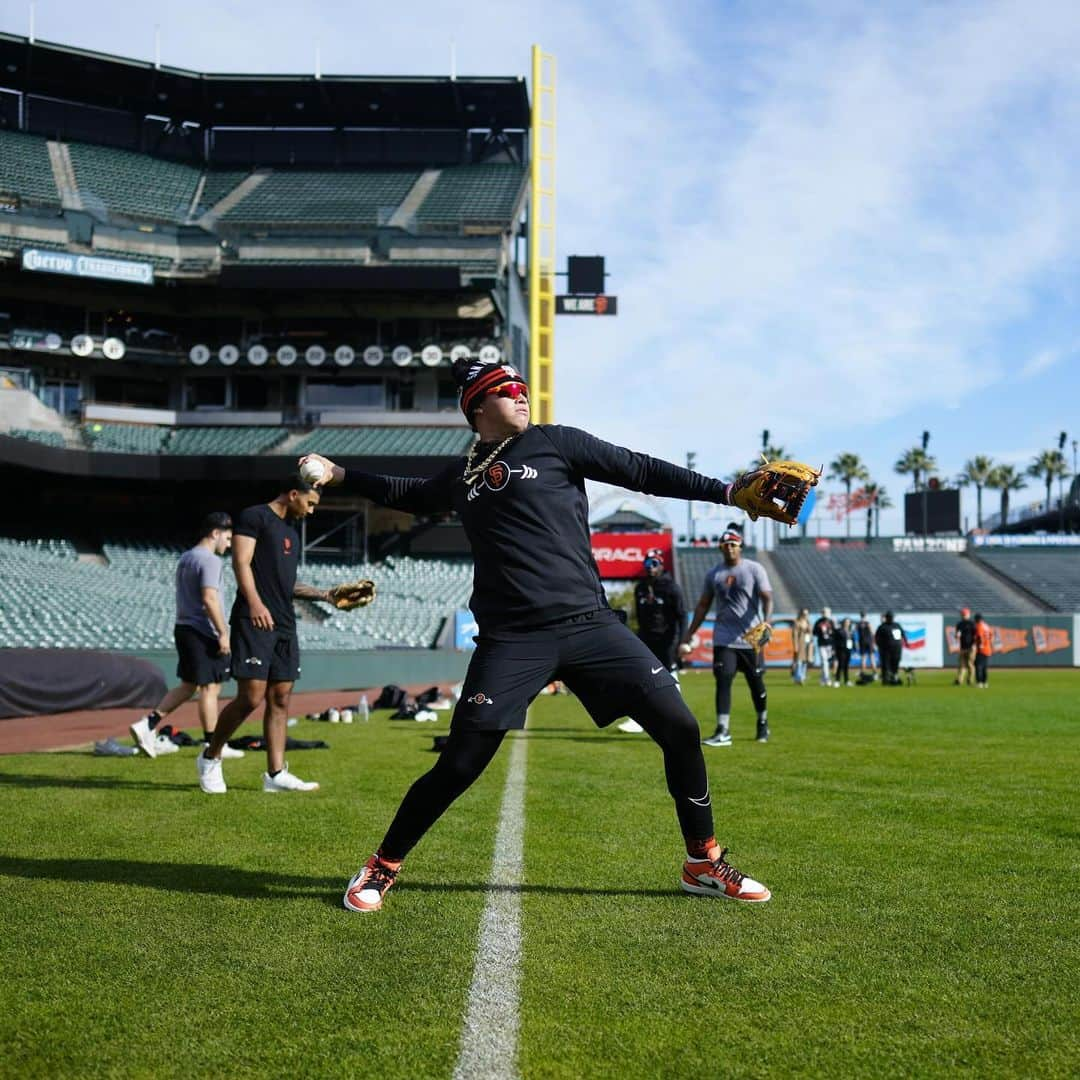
[25, 169]
[860, 580]
[306, 197]
[693, 564]
[50, 599]
[387, 441]
[124, 438]
[46, 438]
[133, 184]
[472, 195]
[218, 184]
[225, 441]
[1051, 575]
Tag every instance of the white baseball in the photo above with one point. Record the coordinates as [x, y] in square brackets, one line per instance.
[312, 472]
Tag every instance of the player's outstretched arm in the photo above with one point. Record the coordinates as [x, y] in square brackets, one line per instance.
[414, 494]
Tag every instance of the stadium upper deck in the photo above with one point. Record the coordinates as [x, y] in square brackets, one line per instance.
[180, 248]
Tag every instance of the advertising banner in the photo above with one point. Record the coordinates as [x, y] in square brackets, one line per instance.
[620, 555]
[88, 266]
[1027, 640]
[465, 629]
[778, 652]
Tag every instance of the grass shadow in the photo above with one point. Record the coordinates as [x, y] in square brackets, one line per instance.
[88, 783]
[211, 879]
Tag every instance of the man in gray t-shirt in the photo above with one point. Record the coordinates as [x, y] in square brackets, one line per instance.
[201, 636]
[742, 595]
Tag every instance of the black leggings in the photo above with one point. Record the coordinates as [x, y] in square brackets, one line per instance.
[726, 662]
[663, 714]
[843, 665]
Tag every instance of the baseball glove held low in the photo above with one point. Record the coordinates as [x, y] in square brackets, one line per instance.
[758, 635]
[352, 594]
[778, 489]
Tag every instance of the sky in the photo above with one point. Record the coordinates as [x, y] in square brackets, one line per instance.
[845, 223]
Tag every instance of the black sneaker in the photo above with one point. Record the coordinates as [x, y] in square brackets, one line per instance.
[763, 731]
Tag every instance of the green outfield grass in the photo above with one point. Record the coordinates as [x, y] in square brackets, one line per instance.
[921, 845]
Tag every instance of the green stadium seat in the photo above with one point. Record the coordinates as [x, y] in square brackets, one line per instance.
[387, 441]
[225, 441]
[46, 438]
[136, 185]
[25, 169]
[306, 197]
[124, 438]
[472, 195]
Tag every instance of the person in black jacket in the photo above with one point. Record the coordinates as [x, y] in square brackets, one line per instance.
[843, 647]
[890, 639]
[661, 616]
[542, 615]
[965, 641]
[825, 634]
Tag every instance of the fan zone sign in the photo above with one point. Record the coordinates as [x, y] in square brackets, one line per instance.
[620, 555]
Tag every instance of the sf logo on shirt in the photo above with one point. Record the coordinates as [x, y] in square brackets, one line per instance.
[497, 475]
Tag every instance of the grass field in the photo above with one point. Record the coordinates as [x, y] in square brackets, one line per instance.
[921, 845]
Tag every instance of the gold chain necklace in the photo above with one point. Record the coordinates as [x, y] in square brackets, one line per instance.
[472, 472]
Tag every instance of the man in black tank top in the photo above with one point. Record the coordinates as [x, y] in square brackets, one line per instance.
[542, 616]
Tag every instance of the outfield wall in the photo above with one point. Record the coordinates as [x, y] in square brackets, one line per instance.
[324, 670]
[1019, 640]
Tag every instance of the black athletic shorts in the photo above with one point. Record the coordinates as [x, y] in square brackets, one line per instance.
[200, 658]
[266, 655]
[595, 655]
[727, 660]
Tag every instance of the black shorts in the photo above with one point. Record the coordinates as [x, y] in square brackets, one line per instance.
[200, 658]
[265, 655]
[663, 648]
[595, 655]
[727, 660]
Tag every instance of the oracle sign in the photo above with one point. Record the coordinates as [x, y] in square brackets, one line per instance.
[620, 555]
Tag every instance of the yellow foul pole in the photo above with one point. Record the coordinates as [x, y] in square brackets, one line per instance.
[542, 238]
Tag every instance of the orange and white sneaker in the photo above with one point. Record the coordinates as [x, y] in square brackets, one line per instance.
[370, 884]
[715, 876]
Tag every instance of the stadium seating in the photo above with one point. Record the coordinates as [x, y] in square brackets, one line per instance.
[306, 198]
[1052, 575]
[218, 185]
[693, 564]
[388, 441]
[25, 169]
[46, 438]
[134, 184]
[124, 438]
[472, 195]
[49, 599]
[861, 580]
[226, 441]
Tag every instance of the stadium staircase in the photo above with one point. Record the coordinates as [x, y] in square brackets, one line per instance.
[405, 214]
[227, 190]
[782, 598]
[64, 175]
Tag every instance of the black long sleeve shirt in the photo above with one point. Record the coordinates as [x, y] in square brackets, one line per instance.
[527, 518]
[661, 610]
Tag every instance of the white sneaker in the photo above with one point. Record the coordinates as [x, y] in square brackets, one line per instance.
[719, 738]
[164, 745]
[285, 781]
[211, 779]
[426, 716]
[631, 727]
[144, 736]
[227, 752]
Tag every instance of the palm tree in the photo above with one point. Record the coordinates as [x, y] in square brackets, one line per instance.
[846, 468]
[1049, 465]
[878, 500]
[1005, 478]
[917, 462]
[977, 472]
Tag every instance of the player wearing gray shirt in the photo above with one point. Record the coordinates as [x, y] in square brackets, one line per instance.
[742, 594]
[199, 568]
[201, 636]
